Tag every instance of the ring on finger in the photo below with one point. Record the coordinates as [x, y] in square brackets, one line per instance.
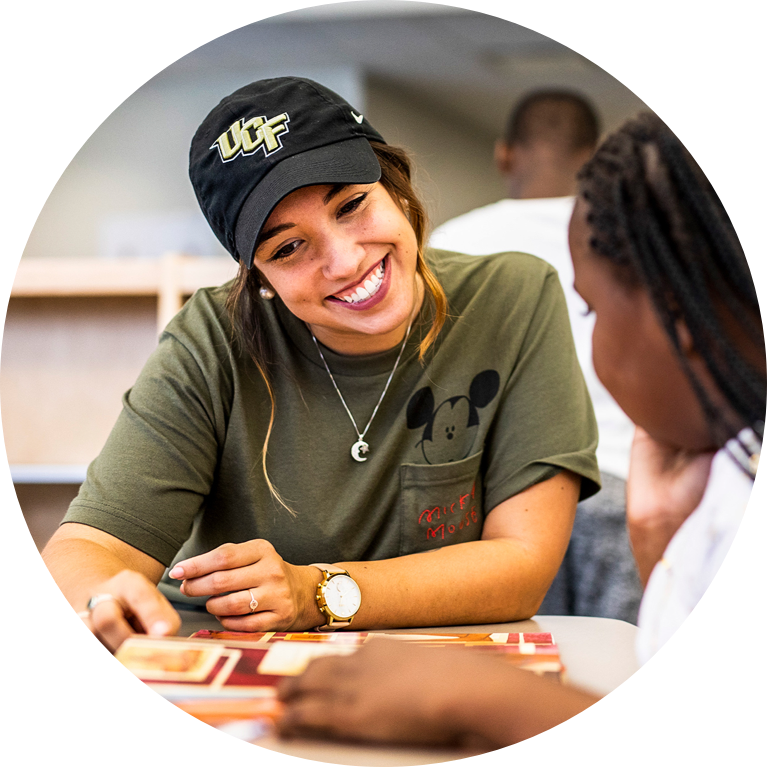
[96, 599]
[253, 602]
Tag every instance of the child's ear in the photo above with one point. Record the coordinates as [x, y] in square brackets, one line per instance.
[686, 345]
[683, 335]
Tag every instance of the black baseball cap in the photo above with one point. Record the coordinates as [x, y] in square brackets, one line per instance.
[268, 139]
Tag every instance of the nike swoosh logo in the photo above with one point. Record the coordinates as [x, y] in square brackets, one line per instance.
[358, 118]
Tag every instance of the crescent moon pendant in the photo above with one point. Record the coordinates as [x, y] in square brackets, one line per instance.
[360, 447]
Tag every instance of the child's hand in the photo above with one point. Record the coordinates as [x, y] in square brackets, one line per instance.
[386, 691]
[664, 487]
[392, 691]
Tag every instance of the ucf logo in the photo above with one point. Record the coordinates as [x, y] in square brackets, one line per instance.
[246, 137]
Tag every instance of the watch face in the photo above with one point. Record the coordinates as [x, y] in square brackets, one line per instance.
[342, 596]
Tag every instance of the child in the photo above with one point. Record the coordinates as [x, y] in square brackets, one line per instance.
[678, 342]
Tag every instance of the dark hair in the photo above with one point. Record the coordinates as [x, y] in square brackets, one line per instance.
[655, 216]
[558, 117]
[245, 305]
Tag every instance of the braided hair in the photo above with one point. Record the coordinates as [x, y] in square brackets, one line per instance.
[656, 218]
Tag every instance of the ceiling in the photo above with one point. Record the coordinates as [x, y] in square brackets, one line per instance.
[469, 66]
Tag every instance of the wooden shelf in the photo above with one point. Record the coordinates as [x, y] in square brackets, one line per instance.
[77, 334]
[171, 278]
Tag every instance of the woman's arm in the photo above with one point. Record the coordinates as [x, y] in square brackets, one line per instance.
[502, 577]
[85, 562]
[394, 691]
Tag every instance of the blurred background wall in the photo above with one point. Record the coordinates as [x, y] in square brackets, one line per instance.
[435, 79]
[96, 284]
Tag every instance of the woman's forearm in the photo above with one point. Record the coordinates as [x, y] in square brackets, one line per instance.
[79, 565]
[86, 562]
[503, 577]
[478, 582]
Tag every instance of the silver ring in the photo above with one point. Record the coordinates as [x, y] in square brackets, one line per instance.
[253, 602]
[97, 599]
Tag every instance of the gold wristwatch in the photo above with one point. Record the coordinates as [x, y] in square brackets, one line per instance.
[338, 597]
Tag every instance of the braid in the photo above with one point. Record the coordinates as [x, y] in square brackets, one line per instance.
[656, 218]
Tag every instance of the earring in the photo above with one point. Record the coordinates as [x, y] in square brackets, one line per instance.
[266, 293]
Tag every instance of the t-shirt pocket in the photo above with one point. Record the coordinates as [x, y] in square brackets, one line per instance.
[440, 504]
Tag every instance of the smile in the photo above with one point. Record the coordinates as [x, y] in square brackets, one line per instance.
[367, 287]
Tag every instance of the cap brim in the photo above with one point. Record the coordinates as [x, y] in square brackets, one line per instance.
[345, 162]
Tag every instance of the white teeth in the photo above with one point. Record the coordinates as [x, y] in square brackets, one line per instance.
[368, 289]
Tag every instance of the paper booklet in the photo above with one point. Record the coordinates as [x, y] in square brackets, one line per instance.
[229, 678]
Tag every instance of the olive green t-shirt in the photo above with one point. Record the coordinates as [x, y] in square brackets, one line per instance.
[497, 405]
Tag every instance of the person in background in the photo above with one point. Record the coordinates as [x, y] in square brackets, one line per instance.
[679, 343]
[549, 136]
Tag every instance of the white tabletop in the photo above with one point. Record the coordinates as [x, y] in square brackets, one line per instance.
[598, 654]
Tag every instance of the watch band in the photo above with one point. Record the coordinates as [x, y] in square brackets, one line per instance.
[330, 568]
[333, 624]
[327, 570]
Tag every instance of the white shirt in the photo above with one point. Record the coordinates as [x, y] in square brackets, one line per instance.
[539, 227]
[693, 556]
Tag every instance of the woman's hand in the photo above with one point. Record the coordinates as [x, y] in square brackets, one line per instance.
[136, 606]
[238, 575]
[393, 691]
[664, 487]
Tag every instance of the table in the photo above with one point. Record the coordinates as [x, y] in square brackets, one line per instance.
[598, 654]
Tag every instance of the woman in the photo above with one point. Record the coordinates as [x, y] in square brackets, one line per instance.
[425, 429]
[678, 342]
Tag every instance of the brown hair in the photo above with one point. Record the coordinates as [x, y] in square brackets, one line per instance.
[245, 305]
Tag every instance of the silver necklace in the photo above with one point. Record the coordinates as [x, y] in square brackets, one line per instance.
[360, 447]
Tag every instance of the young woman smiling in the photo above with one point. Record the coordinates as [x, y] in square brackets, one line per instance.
[347, 266]
[678, 342]
[326, 407]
